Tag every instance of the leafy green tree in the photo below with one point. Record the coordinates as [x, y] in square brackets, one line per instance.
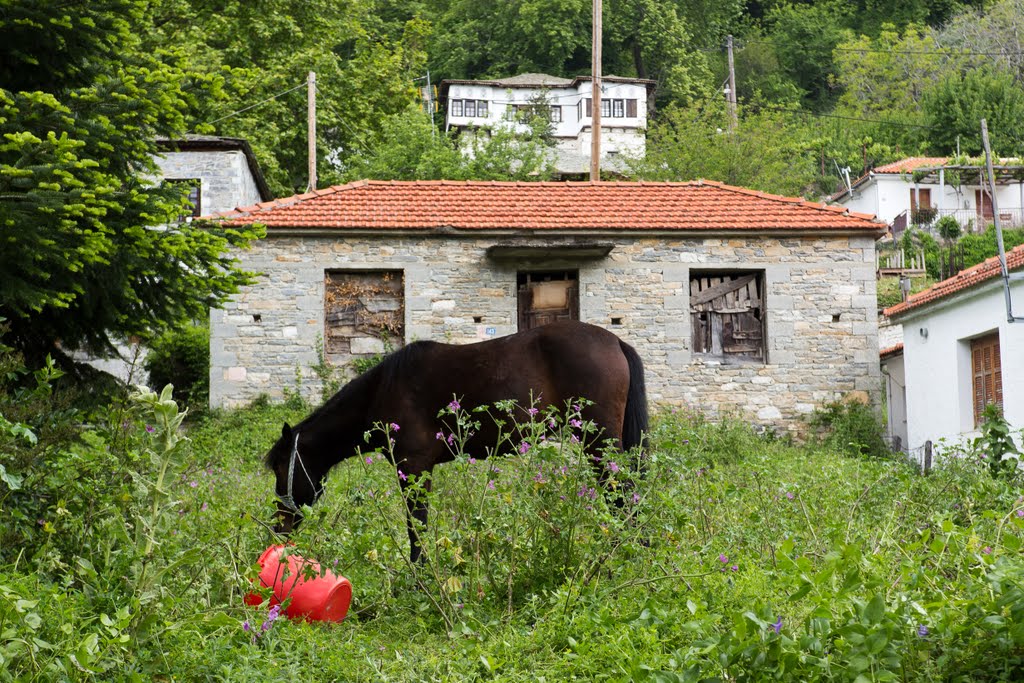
[764, 152]
[954, 107]
[410, 148]
[87, 253]
[260, 51]
[805, 37]
[887, 76]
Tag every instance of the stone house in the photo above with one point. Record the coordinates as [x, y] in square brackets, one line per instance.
[221, 173]
[960, 352]
[475, 106]
[736, 300]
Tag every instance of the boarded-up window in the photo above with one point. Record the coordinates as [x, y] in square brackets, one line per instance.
[986, 369]
[631, 108]
[727, 315]
[364, 313]
[547, 297]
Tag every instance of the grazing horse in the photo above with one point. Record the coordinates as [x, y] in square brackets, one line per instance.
[549, 365]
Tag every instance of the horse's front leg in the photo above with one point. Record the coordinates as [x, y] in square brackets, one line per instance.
[416, 503]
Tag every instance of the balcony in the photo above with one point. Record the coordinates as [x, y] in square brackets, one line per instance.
[971, 220]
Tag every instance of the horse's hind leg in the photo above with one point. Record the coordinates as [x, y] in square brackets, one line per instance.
[416, 514]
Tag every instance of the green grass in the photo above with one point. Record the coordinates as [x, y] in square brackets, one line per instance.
[732, 534]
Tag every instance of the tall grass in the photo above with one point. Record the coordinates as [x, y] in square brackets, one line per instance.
[735, 557]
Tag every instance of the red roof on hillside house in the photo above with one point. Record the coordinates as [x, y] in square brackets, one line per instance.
[911, 164]
[975, 275]
[890, 351]
[477, 205]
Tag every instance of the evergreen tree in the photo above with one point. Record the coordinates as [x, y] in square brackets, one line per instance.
[88, 252]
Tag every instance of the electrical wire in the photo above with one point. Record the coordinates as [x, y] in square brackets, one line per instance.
[253, 106]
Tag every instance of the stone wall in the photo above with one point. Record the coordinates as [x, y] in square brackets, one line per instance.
[226, 179]
[822, 331]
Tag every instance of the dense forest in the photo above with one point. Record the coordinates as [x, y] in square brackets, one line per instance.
[821, 84]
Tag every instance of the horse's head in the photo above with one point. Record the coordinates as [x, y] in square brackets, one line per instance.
[297, 482]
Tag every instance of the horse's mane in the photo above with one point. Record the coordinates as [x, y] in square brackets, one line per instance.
[384, 376]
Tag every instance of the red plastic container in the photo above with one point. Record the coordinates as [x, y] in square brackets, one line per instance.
[324, 597]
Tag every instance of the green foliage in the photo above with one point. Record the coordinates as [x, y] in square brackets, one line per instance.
[996, 444]
[850, 427]
[83, 259]
[763, 153]
[804, 37]
[980, 246]
[954, 107]
[758, 560]
[182, 357]
[948, 228]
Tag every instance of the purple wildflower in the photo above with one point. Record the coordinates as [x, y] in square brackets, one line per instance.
[246, 626]
[490, 484]
[777, 625]
[369, 460]
[613, 466]
[532, 411]
[203, 507]
[735, 568]
[193, 484]
[551, 423]
[472, 460]
[922, 631]
[401, 475]
[523, 447]
[576, 407]
[451, 439]
[987, 550]
[636, 497]
[439, 436]
[722, 558]
[575, 423]
[394, 426]
[150, 429]
[1020, 513]
[789, 494]
[574, 439]
[453, 406]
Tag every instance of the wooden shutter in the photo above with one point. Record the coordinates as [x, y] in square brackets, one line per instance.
[590, 107]
[631, 108]
[986, 369]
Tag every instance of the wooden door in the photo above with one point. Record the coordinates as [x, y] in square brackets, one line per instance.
[547, 297]
[987, 373]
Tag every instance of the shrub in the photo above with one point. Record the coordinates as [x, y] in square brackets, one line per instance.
[182, 358]
[851, 427]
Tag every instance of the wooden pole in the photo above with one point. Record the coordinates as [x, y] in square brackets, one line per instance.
[731, 95]
[595, 109]
[1004, 271]
[311, 127]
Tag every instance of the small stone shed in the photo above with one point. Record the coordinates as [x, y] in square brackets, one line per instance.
[738, 301]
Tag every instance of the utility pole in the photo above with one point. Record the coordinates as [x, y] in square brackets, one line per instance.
[595, 109]
[730, 92]
[311, 127]
[1004, 271]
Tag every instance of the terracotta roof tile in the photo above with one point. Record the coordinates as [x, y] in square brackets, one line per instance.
[911, 164]
[473, 205]
[889, 351]
[970, 277]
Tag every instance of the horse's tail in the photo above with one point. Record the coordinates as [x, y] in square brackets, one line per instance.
[634, 424]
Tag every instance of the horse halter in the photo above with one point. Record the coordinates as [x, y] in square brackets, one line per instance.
[288, 499]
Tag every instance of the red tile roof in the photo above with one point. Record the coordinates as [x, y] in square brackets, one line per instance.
[970, 277]
[890, 351]
[911, 164]
[476, 205]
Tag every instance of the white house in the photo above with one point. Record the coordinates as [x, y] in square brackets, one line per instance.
[918, 190]
[473, 105]
[960, 353]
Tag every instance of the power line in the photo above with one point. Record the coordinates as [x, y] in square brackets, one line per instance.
[944, 53]
[253, 106]
[845, 118]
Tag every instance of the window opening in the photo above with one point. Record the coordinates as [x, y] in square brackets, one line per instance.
[727, 315]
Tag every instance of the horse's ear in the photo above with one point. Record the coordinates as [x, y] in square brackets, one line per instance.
[286, 430]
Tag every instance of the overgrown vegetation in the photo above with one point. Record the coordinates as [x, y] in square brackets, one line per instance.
[182, 357]
[743, 557]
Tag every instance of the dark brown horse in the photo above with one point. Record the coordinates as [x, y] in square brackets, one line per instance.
[549, 365]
